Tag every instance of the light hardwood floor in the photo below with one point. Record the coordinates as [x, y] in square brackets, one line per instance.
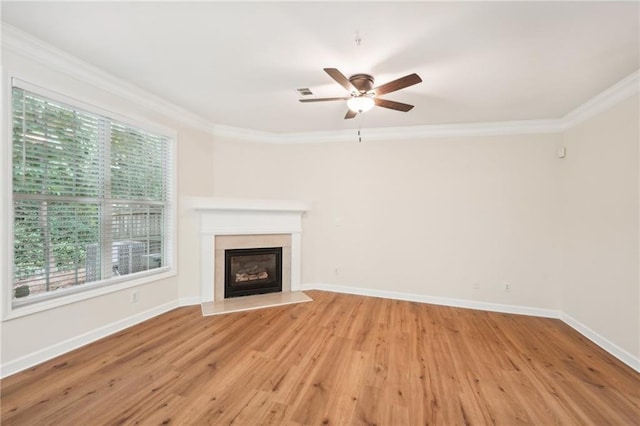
[341, 359]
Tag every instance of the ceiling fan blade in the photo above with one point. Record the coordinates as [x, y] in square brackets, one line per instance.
[324, 99]
[341, 79]
[400, 83]
[398, 106]
[350, 114]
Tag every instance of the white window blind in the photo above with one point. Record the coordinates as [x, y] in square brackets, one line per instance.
[91, 199]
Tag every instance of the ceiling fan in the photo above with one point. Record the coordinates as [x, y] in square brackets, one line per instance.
[363, 96]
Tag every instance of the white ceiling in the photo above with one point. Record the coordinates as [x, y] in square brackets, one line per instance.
[238, 64]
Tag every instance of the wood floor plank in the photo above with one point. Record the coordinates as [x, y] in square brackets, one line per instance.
[341, 360]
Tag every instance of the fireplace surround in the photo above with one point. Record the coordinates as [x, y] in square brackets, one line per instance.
[239, 224]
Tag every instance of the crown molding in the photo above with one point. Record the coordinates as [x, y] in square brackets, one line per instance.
[51, 57]
[395, 133]
[244, 204]
[606, 99]
[33, 48]
[249, 135]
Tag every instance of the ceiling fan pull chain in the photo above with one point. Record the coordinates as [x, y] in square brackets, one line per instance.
[359, 120]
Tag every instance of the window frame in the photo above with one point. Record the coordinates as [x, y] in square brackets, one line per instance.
[103, 287]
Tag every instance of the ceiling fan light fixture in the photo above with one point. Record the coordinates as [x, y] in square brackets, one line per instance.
[360, 104]
[363, 96]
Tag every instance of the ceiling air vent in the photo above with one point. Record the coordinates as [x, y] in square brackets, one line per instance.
[304, 91]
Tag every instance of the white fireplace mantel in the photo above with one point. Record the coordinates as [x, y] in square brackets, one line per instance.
[220, 216]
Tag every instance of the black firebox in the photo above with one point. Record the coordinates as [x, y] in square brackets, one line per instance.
[252, 271]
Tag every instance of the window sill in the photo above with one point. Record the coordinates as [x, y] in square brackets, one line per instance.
[44, 305]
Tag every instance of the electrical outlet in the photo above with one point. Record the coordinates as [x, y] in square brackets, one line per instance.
[507, 287]
[134, 297]
[475, 285]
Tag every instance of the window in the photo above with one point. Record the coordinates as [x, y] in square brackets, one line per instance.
[91, 199]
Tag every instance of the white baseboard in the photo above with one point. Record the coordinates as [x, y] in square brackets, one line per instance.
[613, 349]
[604, 343]
[458, 303]
[53, 351]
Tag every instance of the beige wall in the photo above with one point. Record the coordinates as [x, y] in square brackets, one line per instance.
[426, 217]
[195, 179]
[601, 286]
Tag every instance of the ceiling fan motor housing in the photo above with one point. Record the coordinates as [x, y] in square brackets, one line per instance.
[362, 82]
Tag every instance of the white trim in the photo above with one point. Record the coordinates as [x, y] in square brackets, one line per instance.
[68, 345]
[6, 199]
[105, 288]
[395, 133]
[249, 135]
[608, 98]
[604, 343]
[31, 47]
[444, 301]
[244, 204]
[624, 356]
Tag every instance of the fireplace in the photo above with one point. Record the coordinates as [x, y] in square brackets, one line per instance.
[252, 271]
[239, 224]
